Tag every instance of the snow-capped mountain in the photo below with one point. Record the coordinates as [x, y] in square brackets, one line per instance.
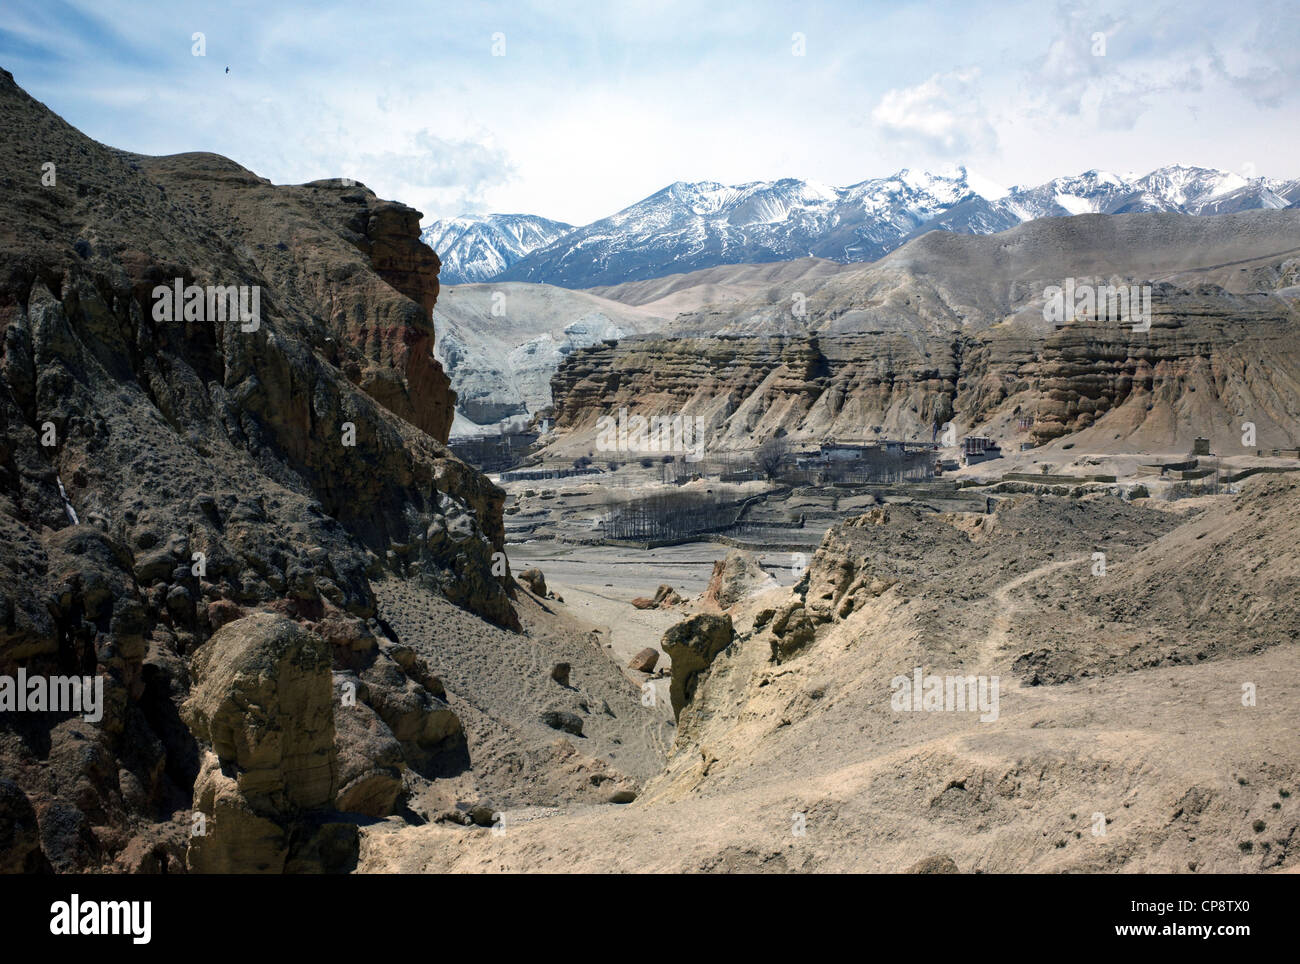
[1185, 190]
[476, 248]
[687, 226]
[698, 225]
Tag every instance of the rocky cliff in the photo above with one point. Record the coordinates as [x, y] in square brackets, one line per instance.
[954, 328]
[749, 389]
[164, 474]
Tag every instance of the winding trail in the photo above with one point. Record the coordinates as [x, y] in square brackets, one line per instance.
[1004, 611]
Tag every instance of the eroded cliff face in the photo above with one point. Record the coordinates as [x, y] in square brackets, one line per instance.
[954, 327]
[374, 325]
[1210, 360]
[162, 478]
[854, 387]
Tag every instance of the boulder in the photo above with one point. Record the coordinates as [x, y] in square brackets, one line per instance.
[20, 837]
[666, 597]
[222, 611]
[644, 661]
[560, 673]
[563, 720]
[534, 581]
[262, 707]
[938, 864]
[350, 639]
[735, 577]
[370, 762]
[67, 838]
[417, 669]
[417, 717]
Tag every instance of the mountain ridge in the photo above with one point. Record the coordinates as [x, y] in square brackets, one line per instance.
[688, 226]
[480, 247]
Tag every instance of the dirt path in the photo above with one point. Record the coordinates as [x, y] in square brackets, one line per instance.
[1005, 610]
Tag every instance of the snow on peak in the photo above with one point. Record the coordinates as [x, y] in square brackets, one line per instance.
[698, 224]
[988, 189]
[475, 248]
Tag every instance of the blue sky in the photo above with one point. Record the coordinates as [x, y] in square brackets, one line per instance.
[593, 106]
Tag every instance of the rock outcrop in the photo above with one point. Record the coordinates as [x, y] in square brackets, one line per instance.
[735, 576]
[665, 597]
[692, 645]
[370, 761]
[262, 711]
[1210, 361]
[792, 630]
[645, 660]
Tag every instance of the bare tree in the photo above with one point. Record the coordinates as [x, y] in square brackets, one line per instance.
[671, 514]
[771, 456]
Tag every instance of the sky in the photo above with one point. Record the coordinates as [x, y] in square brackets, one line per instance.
[574, 111]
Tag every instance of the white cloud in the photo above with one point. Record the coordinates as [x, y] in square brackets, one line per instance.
[1267, 70]
[943, 115]
[437, 174]
[1152, 61]
[593, 110]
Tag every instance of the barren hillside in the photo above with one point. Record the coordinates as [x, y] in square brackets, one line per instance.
[241, 524]
[1139, 753]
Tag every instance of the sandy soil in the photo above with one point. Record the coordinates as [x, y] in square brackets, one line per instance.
[1018, 796]
[598, 584]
